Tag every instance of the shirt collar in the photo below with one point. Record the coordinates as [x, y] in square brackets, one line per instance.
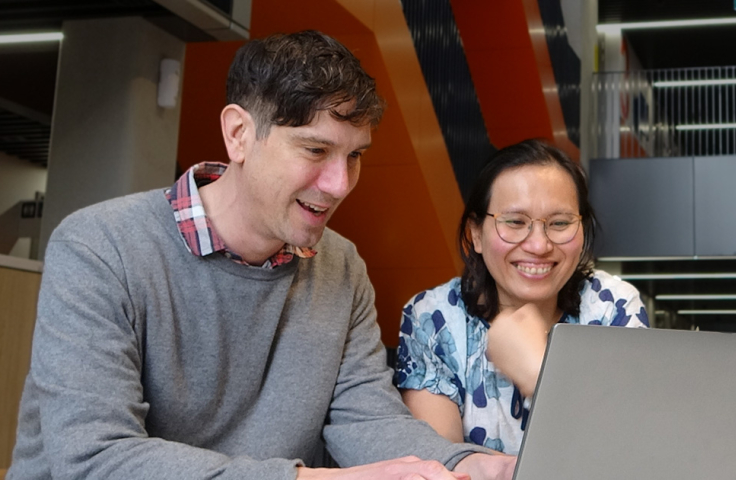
[199, 237]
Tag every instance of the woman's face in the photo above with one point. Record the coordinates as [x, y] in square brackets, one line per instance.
[535, 270]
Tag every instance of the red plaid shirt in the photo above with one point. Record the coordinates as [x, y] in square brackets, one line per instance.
[195, 228]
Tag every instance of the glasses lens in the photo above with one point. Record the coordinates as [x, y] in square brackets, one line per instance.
[513, 227]
[562, 228]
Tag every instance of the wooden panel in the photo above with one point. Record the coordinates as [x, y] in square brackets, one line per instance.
[18, 296]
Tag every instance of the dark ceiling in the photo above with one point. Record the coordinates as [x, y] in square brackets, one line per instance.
[48, 14]
[28, 71]
[675, 47]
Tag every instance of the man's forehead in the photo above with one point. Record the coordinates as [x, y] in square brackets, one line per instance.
[319, 130]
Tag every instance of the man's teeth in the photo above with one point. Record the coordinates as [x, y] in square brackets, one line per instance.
[314, 208]
[534, 270]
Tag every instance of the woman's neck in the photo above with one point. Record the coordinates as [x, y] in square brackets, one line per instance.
[549, 309]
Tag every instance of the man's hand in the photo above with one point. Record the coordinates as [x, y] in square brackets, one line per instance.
[516, 343]
[481, 466]
[405, 468]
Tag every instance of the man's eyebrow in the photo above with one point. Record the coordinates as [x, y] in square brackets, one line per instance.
[322, 141]
[312, 139]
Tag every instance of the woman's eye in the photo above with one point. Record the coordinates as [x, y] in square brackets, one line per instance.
[559, 223]
[516, 223]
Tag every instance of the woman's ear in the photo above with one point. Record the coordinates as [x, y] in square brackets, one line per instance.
[238, 131]
[476, 234]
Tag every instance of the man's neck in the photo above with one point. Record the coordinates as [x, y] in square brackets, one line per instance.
[228, 215]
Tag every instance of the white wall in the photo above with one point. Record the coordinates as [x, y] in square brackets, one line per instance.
[19, 180]
[109, 137]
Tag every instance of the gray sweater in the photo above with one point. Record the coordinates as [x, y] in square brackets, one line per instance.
[152, 363]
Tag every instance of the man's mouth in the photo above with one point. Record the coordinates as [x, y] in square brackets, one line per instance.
[315, 209]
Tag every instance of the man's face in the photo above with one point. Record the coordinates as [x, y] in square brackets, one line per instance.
[297, 176]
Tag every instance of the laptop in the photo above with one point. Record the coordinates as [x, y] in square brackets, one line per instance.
[617, 403]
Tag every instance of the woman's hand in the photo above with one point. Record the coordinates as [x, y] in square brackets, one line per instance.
[516, 343]
[487, 467]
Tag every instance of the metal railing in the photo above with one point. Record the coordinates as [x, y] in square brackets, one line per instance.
[664, 113]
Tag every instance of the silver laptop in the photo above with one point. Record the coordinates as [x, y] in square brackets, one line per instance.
[618, 403]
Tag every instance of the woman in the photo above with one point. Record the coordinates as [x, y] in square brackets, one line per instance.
[470, 350]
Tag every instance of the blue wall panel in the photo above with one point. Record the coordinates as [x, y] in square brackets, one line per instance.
[445, 68]
[565, 64]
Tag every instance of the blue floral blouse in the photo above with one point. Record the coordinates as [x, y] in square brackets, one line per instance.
[443, 349]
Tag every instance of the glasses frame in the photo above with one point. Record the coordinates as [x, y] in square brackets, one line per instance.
[531, 227]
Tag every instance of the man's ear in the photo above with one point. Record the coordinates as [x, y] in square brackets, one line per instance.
[238, 131]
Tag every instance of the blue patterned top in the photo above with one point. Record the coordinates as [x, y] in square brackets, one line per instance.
[443, 349]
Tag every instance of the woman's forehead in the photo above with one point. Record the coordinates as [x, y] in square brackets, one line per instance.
[529, 183]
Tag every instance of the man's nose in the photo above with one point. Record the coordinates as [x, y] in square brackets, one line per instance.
[335, 178]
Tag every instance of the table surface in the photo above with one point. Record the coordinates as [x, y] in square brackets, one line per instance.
[20, 264]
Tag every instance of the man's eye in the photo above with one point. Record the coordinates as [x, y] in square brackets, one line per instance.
[316, 151]
[355, 155]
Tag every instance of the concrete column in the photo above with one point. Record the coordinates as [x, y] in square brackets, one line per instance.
[584, 42]
[109, 137]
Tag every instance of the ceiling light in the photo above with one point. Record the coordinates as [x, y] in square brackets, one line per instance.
[615, 27]
[695, 83]
[706, 126]
[31, 37]
[656, 259]
[695, 297]
[677, 276]
[642, 259]
[706, 312]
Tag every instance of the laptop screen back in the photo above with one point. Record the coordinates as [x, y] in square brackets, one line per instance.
[617, 403]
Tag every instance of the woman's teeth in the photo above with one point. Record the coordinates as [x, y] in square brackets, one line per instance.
[534, 270]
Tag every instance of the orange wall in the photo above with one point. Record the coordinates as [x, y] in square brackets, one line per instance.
[403, 214]
[509, 62]
[202, 99]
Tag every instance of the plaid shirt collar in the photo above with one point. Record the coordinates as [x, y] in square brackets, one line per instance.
[195, 228]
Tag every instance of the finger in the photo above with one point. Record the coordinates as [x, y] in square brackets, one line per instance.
[424, 470]
[461, 476]
[434, 470]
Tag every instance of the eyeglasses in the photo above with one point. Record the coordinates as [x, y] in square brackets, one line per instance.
[516, 227]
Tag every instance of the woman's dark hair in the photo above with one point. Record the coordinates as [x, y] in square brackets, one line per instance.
[285, 79]
[478, 286]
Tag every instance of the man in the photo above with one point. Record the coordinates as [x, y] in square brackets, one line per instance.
[218, 329]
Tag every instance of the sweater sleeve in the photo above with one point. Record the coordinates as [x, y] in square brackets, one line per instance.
[367, 421]
[84, 390]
